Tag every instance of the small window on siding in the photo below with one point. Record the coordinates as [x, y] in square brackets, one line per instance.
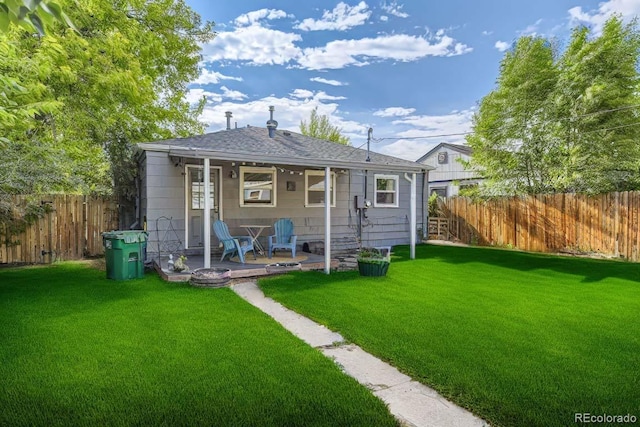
[440, 191]
[258, 186]
[314, 188]
[386, 191]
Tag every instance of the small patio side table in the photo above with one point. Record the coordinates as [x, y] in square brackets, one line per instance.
[254, 232]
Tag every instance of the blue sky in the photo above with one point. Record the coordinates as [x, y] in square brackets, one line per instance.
[411, 70]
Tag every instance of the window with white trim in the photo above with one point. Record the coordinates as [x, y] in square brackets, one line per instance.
[386, 191]
[314, 188]
[258, 186]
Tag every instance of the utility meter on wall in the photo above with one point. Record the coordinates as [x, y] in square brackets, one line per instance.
[362, 203]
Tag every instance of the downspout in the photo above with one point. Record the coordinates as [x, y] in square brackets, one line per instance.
[413, 208]
[327, 220]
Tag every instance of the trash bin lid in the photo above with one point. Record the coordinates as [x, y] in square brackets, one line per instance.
[129, 236]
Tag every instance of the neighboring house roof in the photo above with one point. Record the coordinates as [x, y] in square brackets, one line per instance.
[464, 149]
[253, 144]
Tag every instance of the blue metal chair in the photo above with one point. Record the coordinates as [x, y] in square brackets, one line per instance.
[284, 237]
[232, 245]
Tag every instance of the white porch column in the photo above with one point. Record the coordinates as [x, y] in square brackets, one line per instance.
[414, 213]
[207, 214]
[327, 220]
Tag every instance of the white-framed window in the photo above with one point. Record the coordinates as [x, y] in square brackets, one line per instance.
[258, 186]
[386, 191]
[314, 188]
[196, 179]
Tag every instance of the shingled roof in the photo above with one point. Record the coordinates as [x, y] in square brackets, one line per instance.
[285, 148]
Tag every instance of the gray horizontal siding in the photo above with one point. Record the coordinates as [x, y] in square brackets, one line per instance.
[164, 190]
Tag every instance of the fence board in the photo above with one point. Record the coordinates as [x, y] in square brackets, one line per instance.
[608, 224]
[71, 230]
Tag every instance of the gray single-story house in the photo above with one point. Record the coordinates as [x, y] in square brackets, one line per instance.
[259, 174]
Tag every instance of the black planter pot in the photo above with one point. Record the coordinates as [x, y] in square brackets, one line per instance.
[373, 269]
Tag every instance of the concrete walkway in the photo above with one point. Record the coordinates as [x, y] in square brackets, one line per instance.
[412, 403]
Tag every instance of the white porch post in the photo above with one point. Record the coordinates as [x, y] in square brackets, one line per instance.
[207, 214]
[414, 213]
[327, 220]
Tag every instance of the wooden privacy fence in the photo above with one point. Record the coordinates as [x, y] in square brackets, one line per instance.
[71, 230]
[607, 223]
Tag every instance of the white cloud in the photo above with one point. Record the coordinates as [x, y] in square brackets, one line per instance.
[502, 46]
[323, 96]
[290, 111]
[252, 18]
[254, 44]
[394, 9]
[487, 33]
[208, 76]
[628, 9]
[258, 45]
[454, 122]
[341, 18]
[407, 149]
[232, 94]
[384, 18]
[532, 29]
[317, 96]
[194, 96]
[400, 47]
[394, 112]
[430, 130]
[301, 93]
[327, 81]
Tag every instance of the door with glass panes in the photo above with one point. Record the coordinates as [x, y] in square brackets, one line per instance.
[195, 203]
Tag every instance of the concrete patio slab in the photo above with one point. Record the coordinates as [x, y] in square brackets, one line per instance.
[411, 402]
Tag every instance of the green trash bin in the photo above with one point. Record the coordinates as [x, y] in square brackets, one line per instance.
[124, 253]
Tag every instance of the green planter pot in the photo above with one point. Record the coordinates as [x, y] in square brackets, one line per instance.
[373, 269]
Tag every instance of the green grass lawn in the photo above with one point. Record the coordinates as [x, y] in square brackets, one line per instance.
[77, 349]
[520, 339]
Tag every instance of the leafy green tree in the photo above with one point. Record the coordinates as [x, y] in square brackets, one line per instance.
[511, 142]
[319, 126]
[31, 14]
[562, 122]
[596, 98]
[121, 79]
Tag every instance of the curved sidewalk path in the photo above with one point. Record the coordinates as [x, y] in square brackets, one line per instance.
[411, 402]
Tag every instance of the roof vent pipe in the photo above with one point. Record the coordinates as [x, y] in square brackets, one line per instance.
[272, 124]
[228, 114]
